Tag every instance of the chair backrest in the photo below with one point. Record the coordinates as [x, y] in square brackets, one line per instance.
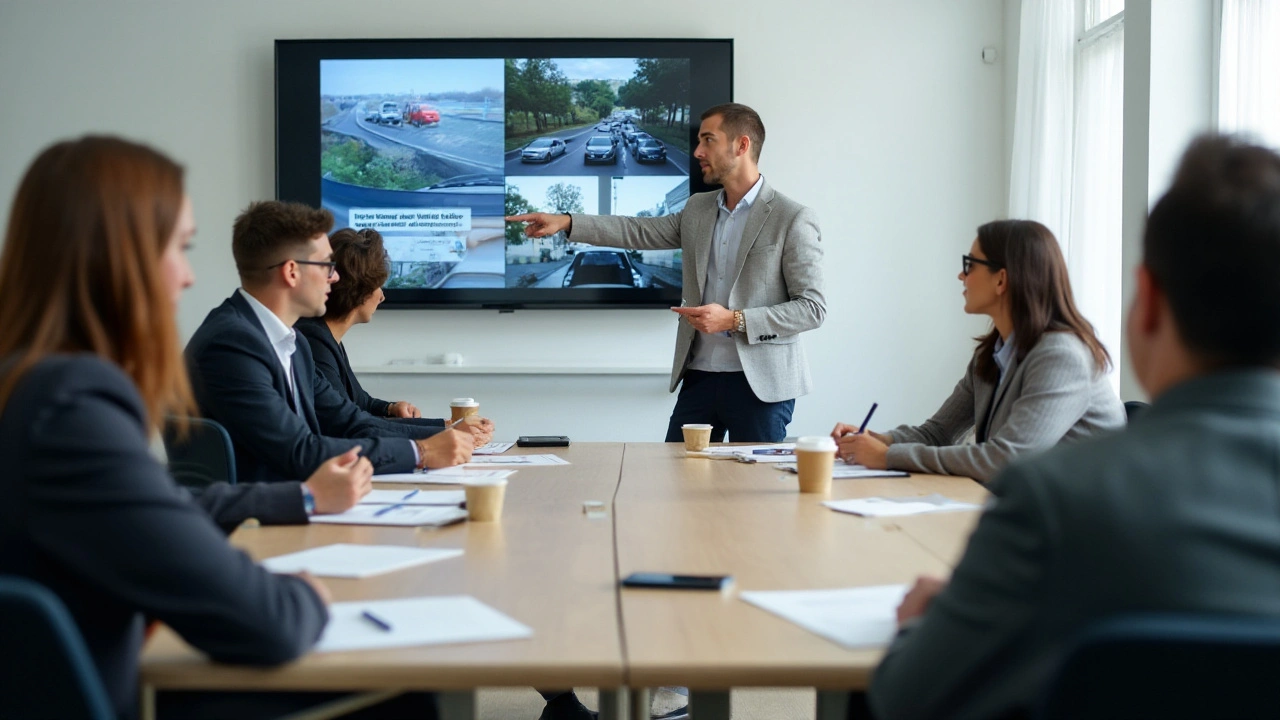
[1170, 667]
[203, 457]
[45, 668]
[1133, 408]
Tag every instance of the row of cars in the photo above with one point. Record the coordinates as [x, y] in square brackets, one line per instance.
[599, 148]
[415, 114]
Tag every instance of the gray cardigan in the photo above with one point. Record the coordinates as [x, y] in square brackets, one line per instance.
[1054, 394]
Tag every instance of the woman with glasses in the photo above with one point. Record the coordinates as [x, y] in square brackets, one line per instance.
[361, 261]
[1038, 378]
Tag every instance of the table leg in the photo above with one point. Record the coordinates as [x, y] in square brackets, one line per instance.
[457, 705]
[832, 705]
[613, 704]
[148, 703]
[709, 704]
[639, 703]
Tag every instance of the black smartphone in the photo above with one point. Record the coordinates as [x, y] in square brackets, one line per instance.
[542, 441]
[677, 582]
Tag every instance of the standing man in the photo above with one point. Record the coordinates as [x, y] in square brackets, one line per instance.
[1175, 514]
[752, 283]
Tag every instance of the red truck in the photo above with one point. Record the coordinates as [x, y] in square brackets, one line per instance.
[421, 114]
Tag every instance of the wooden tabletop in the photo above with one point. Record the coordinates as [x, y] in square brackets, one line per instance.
[546, 564]
[701, 516]
[553, 568]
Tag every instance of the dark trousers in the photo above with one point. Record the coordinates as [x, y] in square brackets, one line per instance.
[726, 402]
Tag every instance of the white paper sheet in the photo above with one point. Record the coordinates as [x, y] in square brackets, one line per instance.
[346, 560]
[452, 498]
[416, 621]
[852, 617]
[773, 453]
[457, 475]
[406, 516]
[842, 470]
[493, 448]
[897, 507]
[516, 461]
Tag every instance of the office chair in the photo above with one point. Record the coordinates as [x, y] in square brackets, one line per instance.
[1171, 667]
[1133, 408]
[203, 457]
[45, 668]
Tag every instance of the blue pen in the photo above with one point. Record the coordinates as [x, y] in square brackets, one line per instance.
[388, 509]
[869, 414]
[381, 624]
[406, 497]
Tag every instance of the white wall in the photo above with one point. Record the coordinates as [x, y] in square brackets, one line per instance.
[880, 115]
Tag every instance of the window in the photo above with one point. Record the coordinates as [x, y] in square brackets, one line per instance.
[1068, 135]
[1249, 70]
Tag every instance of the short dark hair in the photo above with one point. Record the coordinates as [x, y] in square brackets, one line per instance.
[1212, 244]
[362, 269]
[1040, 298]
[270, 231]
[738, 120]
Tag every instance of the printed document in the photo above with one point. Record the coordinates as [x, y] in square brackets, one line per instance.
[851, 617]
[416, 621]
[897, 507]
[346, 560]
[399, 515]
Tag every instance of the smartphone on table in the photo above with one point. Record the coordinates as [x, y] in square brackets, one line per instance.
[677, 582]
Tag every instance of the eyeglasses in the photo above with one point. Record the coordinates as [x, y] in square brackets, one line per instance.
[968, 261]
[333, 266]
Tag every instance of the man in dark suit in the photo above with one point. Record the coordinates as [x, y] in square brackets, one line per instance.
[1178, 513]
[250, 373]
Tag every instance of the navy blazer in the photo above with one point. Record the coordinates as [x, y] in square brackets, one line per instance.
[238, 381]
[89, 513]
[331, 361]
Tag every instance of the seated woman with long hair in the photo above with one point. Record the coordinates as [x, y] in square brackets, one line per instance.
[94, 262]
[1037, 379]
[354, 298]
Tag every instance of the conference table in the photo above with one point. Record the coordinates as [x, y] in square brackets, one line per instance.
[554, 567]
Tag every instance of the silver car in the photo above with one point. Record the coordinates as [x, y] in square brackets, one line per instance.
[543, 150]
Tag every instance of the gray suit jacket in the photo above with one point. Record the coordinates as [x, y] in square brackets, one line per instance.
[777, 286]
[1054, 394]
[1176, 514]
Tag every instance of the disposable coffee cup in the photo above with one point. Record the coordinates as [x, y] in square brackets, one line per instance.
[484, 499]
[462, 407]
[696, 437]
[815, 460]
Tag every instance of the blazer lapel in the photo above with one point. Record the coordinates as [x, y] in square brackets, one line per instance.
[756, 218]
[704, 226]
[987, 414]
[305, 399]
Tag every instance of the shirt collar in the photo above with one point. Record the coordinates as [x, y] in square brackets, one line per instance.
[1003, 352]
[281, 336]
[746, 200]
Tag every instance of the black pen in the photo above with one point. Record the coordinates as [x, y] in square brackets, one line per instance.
[382, 625]
[869, 414]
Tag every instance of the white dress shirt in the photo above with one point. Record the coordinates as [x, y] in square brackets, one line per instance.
[718, 352]
[283, 339]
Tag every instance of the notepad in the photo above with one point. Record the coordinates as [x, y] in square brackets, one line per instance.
[417, 621]
[851, 617]
[517, 460]
[897, 507]
[345, 560]
[406, 516]
[493, 448]
[457, 475]
[415, 497]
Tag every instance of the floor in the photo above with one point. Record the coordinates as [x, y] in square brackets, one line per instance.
[753, 704]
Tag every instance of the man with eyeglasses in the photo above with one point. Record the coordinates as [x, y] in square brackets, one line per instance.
[251, 374]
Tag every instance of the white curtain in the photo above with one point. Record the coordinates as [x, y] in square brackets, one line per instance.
[1066, 172]
[1249, 70]
[1093, 242]
[1042, 137]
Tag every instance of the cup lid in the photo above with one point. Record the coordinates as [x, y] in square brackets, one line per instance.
[696, 426]
[464, 402]
[816, 443]
[479, 482]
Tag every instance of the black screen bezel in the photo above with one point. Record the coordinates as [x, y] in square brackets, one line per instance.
[297, 85]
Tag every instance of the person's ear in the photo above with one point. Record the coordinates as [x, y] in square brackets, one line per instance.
[1002, 281]
[290, 272]
[1149, 304]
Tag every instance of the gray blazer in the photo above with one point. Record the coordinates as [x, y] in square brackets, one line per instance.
[778, 280]
[1178, 513]
[1054, 394]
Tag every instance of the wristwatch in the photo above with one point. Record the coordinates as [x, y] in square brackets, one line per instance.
[739, 322]
[308, 501]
